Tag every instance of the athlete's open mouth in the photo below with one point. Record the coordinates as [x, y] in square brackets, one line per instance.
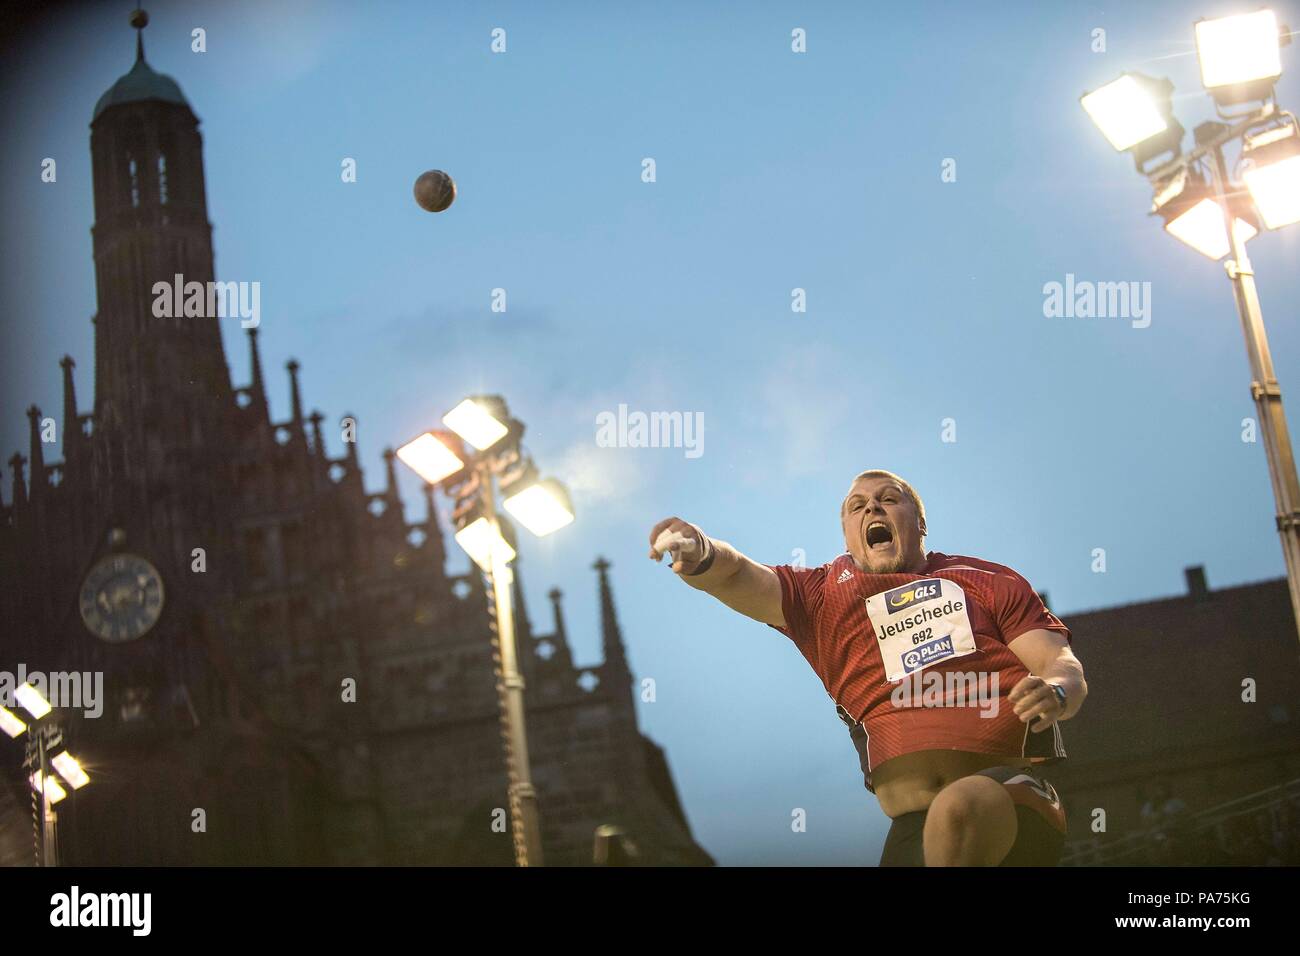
[879, 536]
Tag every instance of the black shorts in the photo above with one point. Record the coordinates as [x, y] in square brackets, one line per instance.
[1040, 824]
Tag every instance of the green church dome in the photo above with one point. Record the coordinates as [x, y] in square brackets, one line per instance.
[142, 83]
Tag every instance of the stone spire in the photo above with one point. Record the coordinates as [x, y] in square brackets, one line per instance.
[20, 490]
[556, 596]
[320, 456]
[354, 465]
[257, 389]
[317, 438]
[71, 427]
[393, 509]
[36, 453]
[562, 656]
[611, 636]
[390, 477]
[299, 432]
[352, 481]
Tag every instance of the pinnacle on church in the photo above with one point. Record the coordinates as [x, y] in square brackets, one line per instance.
[139, 20]
[353, 464]
[611, 633]
[37, 453]
[71, 427]
[390, 478]
[317, 437]
[19, 493]
[295, 396]
[257, 390]
[556, 596]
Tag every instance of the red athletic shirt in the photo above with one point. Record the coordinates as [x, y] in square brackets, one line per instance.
[920, 661]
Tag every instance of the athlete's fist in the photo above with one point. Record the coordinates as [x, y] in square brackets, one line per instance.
[1033, 699]
[685, 544]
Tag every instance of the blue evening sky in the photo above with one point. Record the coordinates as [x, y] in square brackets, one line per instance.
[775, 170]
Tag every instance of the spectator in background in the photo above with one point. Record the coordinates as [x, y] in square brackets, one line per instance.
[1164, 811]
[1163, 816]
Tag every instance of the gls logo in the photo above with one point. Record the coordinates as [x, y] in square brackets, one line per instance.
[910, 594]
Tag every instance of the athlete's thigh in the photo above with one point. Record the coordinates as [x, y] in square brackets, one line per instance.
[1040, 831]
[971, 822]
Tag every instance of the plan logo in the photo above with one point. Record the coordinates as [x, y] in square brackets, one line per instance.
[927, 654]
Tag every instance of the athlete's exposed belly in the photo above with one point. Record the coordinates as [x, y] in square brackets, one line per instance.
[911, 781]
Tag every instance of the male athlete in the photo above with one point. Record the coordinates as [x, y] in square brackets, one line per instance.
[948, 670]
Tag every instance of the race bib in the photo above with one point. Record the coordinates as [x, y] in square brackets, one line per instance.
[922, 623]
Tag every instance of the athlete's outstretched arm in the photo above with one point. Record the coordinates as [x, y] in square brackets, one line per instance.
[1049, 660]
[741, 584]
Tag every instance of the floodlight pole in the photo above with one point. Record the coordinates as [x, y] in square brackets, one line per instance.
[1264, 388]
[48, 836]
[525, 828]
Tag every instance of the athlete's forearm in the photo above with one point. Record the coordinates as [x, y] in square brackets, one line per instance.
[1066, 671]
[739, 582]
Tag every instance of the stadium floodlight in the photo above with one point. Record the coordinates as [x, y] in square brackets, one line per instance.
[1201, 227]
[1272, 175]
[1135, 114]
[430, 458]
[48, 786]
[1240, 56]
[1125, 112]
[480, 421]
[70, 770]
[541, 507]
[483, 542]
[1216, 209]
[469, 474]
[32, 700]
[11, 723]
[1194, 216]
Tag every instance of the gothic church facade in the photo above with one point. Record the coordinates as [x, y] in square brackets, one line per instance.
[225, 737]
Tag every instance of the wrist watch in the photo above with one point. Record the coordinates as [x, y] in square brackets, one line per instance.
[1059, 691]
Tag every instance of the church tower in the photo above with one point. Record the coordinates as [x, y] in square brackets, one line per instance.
[157, 378]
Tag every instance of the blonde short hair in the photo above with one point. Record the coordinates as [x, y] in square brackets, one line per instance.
[902, 483]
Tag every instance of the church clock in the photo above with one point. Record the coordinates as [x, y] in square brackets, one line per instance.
[121, 598]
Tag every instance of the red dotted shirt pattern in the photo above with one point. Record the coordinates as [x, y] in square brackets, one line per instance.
[826, 617]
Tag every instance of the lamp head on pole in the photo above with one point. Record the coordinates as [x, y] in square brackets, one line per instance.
[481, 420]
[1192, 214]
[434, 455]
[1240, 56]
[1272, 173]
[484, 540]
[1135, 114]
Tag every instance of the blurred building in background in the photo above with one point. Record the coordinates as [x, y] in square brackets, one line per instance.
[1190, 740]
[317, 689]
